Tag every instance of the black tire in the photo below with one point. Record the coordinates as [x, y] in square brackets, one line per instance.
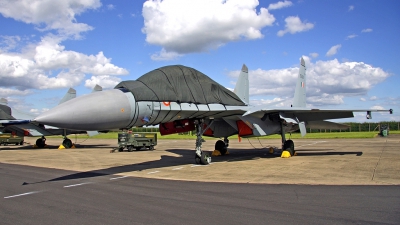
[197, 159]
[21, 143]
[40, 143]
[121, 149]
[67, 143]
[130, 148]
[289, 146]
[138, 148]
[151, 147]
[221, 147]
[16, 143]
[205, 158]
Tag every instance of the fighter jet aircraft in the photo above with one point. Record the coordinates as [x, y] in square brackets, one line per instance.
[21, 124]
[181, 99]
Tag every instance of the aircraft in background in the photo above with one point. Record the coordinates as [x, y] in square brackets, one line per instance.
[21, 124]
[181, 99]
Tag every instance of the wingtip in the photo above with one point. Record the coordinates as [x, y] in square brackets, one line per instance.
[302, 62]
[245, 69]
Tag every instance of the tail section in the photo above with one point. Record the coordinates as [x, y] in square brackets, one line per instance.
[68, 96]
[242, 85]
[299, 99]
[3, 101]
[97, 88]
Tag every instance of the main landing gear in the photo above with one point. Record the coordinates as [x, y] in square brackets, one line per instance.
[201, 157]
[287, 145]
[222, 146]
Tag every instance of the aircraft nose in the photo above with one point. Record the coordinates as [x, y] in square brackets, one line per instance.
[102, 110]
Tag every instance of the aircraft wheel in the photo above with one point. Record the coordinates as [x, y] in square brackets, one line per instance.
[67, 143]
[130, 148]
[289, 145]
[221, 147]
[197, 159]
[40, 143]
[205, 159]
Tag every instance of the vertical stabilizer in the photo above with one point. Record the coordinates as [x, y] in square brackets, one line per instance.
[97, 88]
[68, 96]
[299, 99]
[242, 85]
[3, 101]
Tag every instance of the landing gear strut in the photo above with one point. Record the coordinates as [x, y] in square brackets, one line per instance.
[201, 157]
[287, 145]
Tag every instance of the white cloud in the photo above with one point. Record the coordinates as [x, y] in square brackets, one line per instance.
[5, 92]
[378, 107]
[363, 99]
[367, 30]
[277, 102]
[280, 5]
[50, 15]
[201, 25]
[47, 65]
[110, 6]
[294, 25]
[8, 43]
[351, 8]
[328, 82]
[351, 36]
[164, 55]
[373, 98]
[333, 50]
[314, 54]
[104, 81]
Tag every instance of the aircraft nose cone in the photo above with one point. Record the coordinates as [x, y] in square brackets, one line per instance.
[103, 110]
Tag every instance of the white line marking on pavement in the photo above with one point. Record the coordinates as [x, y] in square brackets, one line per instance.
[317, 142]
[28, 193]
[154, 172]
[177, 168]
[200, 165]
[74, 185]
[115, 178]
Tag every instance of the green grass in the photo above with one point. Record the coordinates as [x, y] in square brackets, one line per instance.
[114, 135]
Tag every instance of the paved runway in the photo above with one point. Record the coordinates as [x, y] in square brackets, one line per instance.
[31, 195]
[342, 181]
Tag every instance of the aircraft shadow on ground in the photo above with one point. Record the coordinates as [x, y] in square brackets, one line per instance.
[323, 152]
[185, 158]
[30, 147]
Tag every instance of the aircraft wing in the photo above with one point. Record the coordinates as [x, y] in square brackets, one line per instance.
[37, 130]
[305, 114]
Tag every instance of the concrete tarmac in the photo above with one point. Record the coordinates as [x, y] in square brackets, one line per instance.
[35, 195]
[373, 161]
[89, 185]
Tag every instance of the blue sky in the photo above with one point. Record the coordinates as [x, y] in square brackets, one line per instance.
[351, 48]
